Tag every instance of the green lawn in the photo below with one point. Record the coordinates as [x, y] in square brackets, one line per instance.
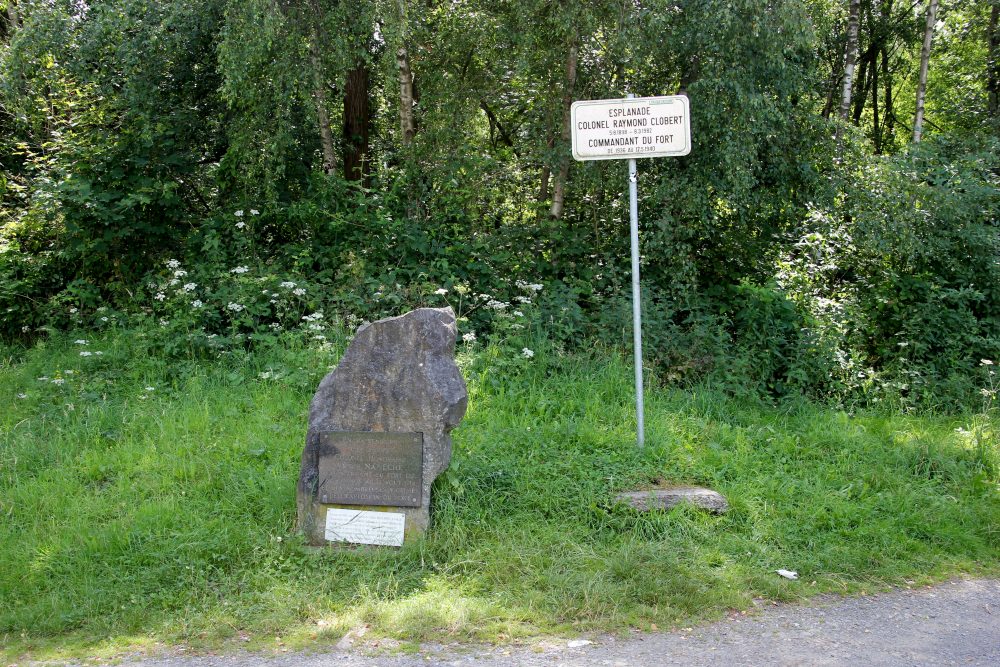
[145, 500]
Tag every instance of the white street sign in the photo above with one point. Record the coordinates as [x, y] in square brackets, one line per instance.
[631, 128]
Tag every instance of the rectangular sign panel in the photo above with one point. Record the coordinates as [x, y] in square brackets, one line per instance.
[631, 128]
[369, 468]
[364, 527]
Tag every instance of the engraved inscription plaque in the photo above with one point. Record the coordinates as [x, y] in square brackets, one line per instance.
[367, 468]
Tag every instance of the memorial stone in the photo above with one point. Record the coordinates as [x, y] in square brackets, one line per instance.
[379, 432]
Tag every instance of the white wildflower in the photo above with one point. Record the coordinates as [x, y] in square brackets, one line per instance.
[22, 396]
[73, 311]
[469, 337]
[197, 303]
[518, 313]
[150, 388]
[235, 307]
[98, 353]
[241, 225]
[522, 299]
[82, 342]
[85, 353]
[288, 284]
[174, 282]
[441, 291]
[239, 214]
[298, 291]
[239, 270]
[180, 273]
[173, 264]
[266, 375]
[535, 287]
[527, 354]
[985, 362]
[254, 211]
[43, 379]
[59, 381]
[104, 319]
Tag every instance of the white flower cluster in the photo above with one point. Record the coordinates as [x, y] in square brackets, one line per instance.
[534, 287]
[469, 337]
[527, 354]
[288, 284]
[235, 307]
[441, 291]
[239, 270]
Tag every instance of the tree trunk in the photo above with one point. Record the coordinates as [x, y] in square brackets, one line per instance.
[14, 15]
[406, 122]
[925, 56]
[861, 84]
[357, 115]
[993, 60]
[559, 187]
[543, 190]
[322, 115]
[876, 126]
[889, 126]
[849, 59]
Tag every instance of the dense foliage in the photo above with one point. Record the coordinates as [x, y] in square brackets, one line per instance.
[224, 169]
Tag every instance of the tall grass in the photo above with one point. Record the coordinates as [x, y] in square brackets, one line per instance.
[146, 500]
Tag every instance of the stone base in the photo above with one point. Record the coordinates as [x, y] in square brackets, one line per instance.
[668, 498]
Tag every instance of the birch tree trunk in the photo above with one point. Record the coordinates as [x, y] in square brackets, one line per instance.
[993, 60]
[851, 52]
[925, 56]
[559, 186]
[407, 124]
[322, 115]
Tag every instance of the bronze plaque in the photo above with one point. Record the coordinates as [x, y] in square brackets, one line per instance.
[367, 468]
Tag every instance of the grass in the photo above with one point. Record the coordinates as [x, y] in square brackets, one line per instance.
[146, 501]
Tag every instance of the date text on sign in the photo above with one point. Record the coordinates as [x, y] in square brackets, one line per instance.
[631, 128]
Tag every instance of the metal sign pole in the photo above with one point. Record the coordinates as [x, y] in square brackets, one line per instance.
[622, 129]
[633, 208]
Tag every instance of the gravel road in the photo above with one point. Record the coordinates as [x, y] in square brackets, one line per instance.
[957, 623]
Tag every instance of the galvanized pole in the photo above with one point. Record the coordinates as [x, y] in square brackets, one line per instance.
[633, 207]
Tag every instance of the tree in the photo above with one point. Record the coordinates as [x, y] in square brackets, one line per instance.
[925, 56]
[850, 54]
[993, 60]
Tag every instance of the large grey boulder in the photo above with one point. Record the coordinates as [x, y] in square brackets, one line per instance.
[397, 376]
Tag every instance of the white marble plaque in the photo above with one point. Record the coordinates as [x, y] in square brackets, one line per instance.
[364, 527]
